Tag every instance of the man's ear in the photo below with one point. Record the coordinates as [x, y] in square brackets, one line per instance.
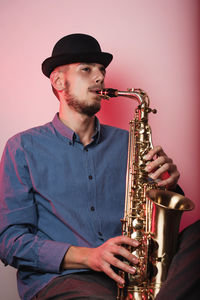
[56, 80]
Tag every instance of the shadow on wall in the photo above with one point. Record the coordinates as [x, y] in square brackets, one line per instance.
[8, 286]
[120, 110]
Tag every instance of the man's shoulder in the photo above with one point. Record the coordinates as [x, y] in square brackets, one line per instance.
[30, 134]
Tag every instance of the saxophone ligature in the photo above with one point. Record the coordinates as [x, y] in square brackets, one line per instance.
[151, 215]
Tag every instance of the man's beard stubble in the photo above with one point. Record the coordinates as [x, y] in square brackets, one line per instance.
[82, 108]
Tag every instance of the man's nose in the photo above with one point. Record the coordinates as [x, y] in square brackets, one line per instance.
[99, 77]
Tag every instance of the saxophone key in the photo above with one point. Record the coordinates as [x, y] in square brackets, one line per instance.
[138, 224]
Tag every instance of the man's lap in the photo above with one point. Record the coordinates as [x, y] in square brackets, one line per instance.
[82, 285]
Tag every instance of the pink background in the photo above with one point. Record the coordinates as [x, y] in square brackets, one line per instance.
[155, 46]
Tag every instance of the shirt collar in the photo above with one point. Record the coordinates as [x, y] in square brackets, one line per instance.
[67, 132]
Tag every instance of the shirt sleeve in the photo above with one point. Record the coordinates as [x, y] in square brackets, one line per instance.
[20, 244]
[179, 190]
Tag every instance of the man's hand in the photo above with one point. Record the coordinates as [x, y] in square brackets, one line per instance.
[103, 257]
[160, 164]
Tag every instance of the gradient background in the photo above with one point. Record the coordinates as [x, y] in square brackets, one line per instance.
[156, 46]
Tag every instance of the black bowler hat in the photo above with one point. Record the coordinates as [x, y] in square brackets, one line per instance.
[74, 48]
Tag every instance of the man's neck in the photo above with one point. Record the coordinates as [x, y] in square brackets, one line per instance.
[83, 125]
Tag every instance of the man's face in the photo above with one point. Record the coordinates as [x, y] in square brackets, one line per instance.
[81, 81]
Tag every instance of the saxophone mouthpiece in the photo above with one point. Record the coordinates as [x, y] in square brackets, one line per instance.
[107, 93]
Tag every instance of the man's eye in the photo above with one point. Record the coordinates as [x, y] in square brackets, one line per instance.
[86, 69]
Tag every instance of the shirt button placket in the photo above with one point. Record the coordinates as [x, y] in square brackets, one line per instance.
[92, 208]
[92, 191]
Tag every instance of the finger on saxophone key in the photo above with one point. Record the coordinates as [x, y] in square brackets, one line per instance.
[132, 270]
[135, 242]
[135, 260]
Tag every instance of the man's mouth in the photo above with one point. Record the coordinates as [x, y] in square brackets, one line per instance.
[94, 89]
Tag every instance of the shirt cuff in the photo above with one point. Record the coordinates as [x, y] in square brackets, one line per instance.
[50, 256]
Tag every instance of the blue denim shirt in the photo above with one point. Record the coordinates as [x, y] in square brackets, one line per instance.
[54, 192]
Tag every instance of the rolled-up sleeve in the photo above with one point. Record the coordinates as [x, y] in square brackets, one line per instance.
[20, 244]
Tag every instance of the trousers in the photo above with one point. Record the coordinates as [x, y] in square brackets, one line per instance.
[83, 285]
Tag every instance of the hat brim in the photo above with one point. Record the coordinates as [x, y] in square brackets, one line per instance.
[52, 62]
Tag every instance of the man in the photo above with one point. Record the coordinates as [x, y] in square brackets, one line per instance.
[62, 187]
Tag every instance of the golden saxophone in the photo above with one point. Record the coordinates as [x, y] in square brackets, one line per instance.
[151, 215]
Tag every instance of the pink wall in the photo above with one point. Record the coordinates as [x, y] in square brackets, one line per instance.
[155, 46]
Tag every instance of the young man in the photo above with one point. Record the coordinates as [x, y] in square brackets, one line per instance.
[62, 187]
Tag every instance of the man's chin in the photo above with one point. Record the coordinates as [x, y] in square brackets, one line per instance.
[92, 110]
[89, 108]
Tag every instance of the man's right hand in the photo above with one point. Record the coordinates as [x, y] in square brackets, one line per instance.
[102, 258]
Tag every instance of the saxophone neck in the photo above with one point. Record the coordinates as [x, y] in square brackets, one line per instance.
[136, 94]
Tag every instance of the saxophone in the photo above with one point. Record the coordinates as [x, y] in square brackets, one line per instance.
[151, 214]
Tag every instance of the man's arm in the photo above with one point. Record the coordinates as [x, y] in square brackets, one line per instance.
[20, 244]
[103, 258]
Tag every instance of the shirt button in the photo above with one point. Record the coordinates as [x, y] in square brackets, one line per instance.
[92, 208]
[90, 177]
[70, 143]
[100, 233]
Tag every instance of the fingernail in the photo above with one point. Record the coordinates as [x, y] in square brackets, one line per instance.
[152, 175]
[136, 243]
[147, 168]
[135, 260]
[121, 282]
[146, 157]
[133, 270]
[158, 180]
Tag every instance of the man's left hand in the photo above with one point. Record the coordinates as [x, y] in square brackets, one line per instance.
[161, 168]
